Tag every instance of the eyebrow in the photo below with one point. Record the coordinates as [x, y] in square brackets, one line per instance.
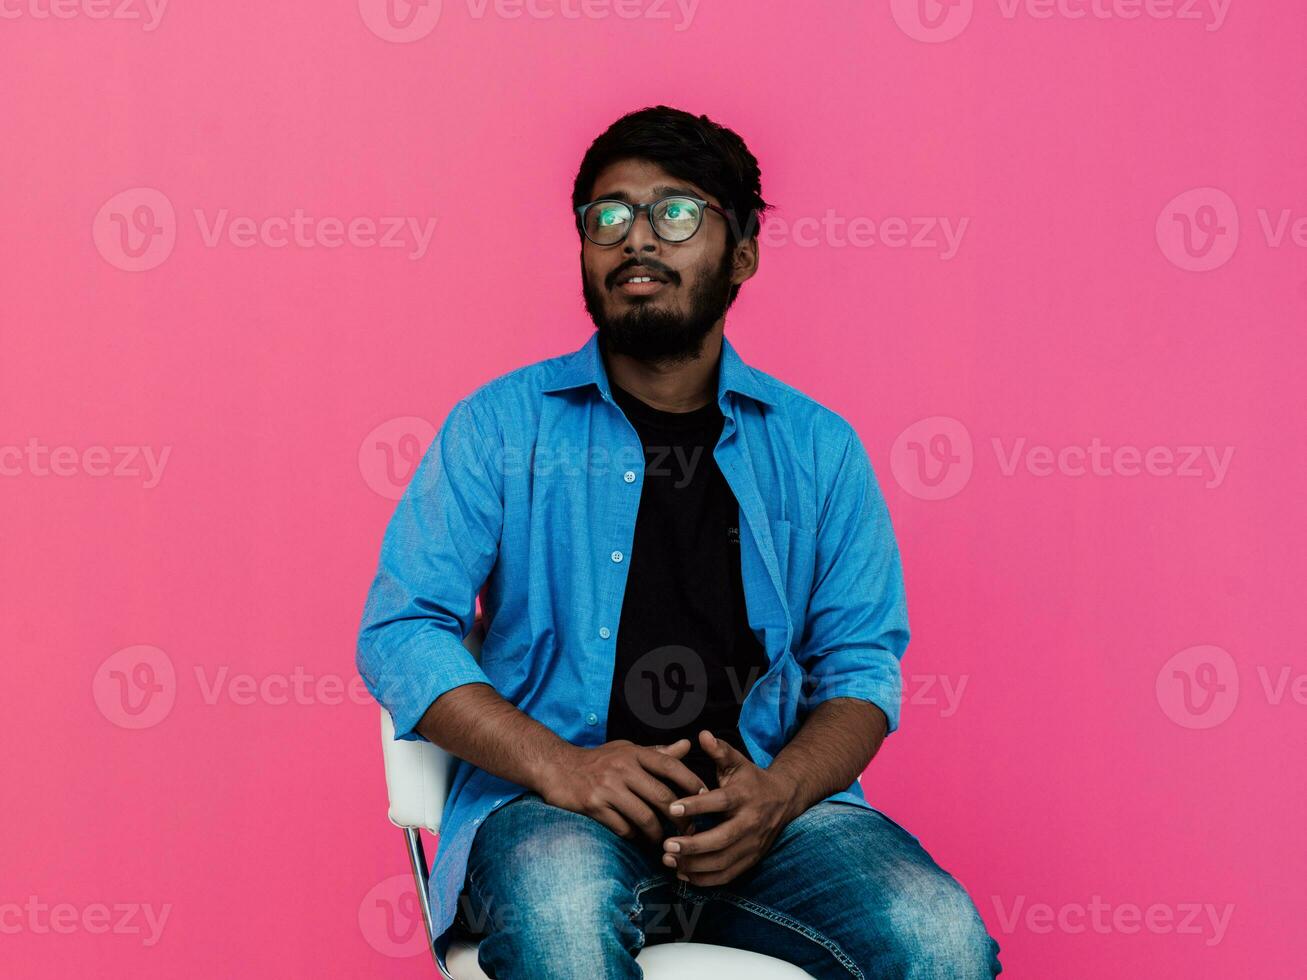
[661, 191]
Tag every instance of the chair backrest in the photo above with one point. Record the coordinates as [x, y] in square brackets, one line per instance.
[417, 772]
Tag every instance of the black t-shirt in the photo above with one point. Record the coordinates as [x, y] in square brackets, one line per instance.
[685, 654]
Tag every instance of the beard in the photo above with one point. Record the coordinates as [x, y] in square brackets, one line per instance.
[662, 336]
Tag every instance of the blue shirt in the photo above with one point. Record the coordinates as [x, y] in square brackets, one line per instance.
[529, 493]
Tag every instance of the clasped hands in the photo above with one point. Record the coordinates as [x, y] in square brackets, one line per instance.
[616, 783]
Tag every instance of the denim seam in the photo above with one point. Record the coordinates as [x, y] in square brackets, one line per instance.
[793, 924]
[634, 914]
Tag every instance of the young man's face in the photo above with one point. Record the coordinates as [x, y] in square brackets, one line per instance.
[665, 320]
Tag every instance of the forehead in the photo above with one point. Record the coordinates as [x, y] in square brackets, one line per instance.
[640, 181]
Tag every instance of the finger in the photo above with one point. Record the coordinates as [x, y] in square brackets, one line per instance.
[713, 879]
[638, 813]
[614, 821]
[717, 800]
[716, 838]
[659, 796]
[677, 749]
[711, 862]
[722, 752]
[665, 767]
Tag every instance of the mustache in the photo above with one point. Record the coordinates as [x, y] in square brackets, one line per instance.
[653, 266]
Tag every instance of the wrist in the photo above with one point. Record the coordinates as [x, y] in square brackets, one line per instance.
[555, 760]
[791, 790]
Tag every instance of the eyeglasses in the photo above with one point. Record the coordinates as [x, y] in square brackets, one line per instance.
[673, 219]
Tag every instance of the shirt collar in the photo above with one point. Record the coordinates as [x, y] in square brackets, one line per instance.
[585, 366]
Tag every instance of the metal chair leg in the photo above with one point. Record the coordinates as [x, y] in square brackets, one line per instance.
[418, 859]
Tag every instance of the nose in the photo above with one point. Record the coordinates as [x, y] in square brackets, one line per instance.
[641, 237]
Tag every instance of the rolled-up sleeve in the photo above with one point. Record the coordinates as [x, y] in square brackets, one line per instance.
[438, 549]
[857, 625]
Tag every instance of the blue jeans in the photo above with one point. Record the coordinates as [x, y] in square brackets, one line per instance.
[843, 892]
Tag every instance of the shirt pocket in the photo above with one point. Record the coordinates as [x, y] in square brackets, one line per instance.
[796, 557]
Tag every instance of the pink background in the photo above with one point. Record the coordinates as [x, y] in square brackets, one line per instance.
[1081, 762]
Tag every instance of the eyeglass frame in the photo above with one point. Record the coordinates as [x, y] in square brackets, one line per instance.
[648, 210]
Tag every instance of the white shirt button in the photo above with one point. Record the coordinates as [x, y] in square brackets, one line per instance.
[629, 476]
[617, 556]
[592, 719]
[605, 632]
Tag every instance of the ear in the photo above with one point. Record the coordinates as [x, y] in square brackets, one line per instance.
[744, 263]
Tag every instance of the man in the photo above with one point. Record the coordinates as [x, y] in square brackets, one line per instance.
[695, 623]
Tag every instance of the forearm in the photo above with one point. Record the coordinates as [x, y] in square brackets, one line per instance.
[473, 722]
[831, 749]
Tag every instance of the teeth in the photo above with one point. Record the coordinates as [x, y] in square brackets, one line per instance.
[641, 279]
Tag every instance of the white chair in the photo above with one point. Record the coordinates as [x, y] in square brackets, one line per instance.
[417, 779]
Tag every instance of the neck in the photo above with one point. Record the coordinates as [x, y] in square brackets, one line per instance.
[682, 386]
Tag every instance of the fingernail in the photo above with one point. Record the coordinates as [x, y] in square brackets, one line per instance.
[683, 877]
[669, 860]
[678, 809]
[673, 846]
[702, 790]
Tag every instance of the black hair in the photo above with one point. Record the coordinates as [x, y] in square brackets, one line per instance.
[687, 146]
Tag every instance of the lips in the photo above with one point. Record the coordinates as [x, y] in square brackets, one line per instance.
[638, 272]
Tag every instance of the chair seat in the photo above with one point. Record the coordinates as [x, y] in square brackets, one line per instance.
[665, 961]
